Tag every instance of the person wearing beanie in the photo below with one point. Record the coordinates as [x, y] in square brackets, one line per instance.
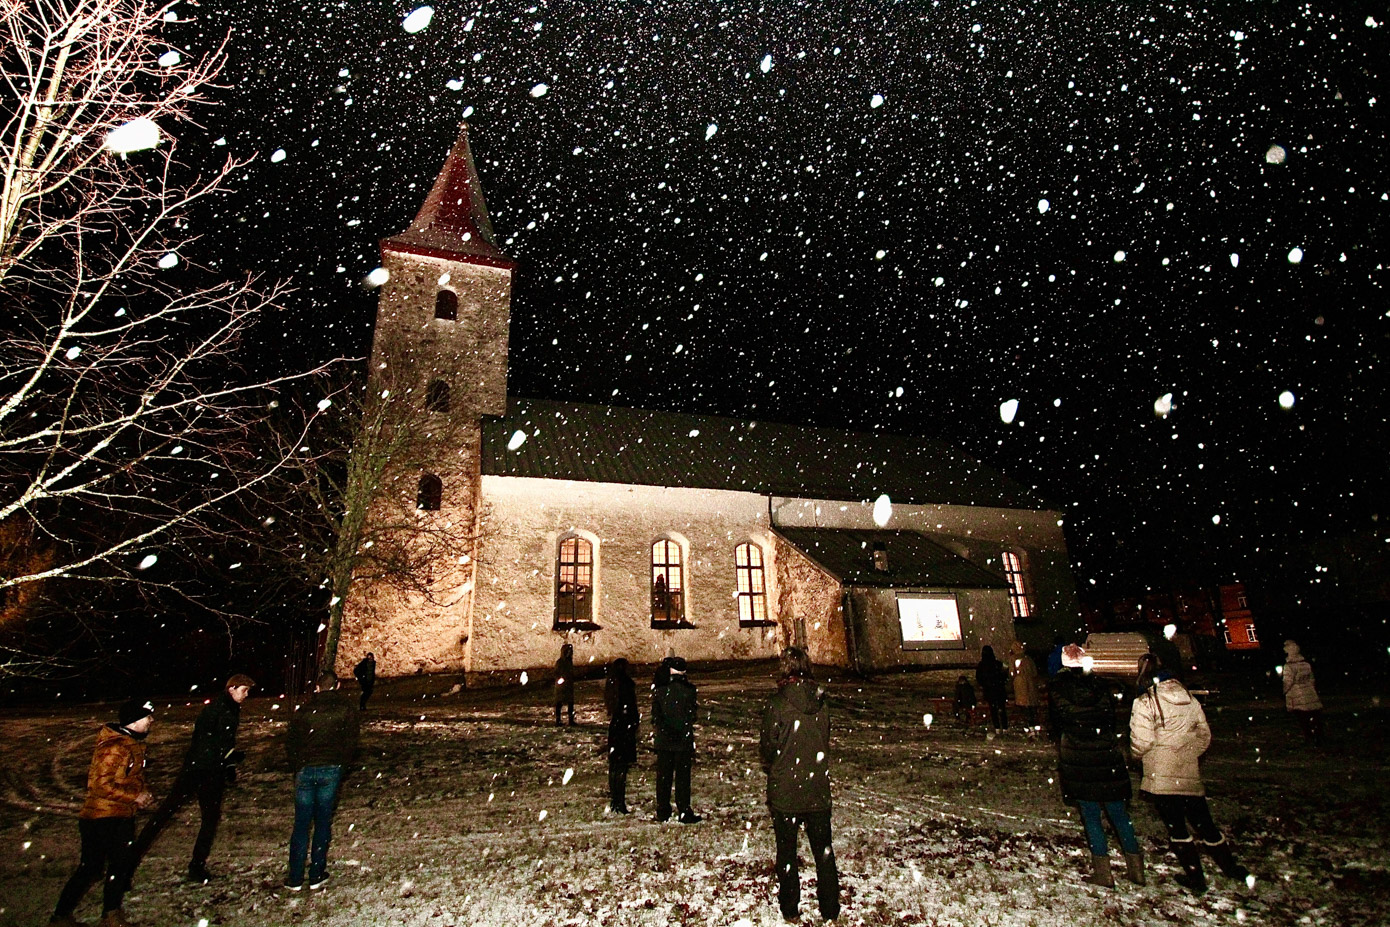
[116, 790]
[1090, 766]
[208, 767]
[321, 743]
[1168, 731]
[1300, 695]
[794, 747]
[673, 717]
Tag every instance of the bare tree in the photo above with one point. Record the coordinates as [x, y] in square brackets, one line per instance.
[124, 412]
[354, 513]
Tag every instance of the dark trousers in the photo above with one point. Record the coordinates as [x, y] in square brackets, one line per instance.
[998, 714]
[1178, 811]
[367, 687]
[1311, 724]
[673, 764]
[564, 701]
[817, 824]
[106, 847]
[208, 785]
[617, 785]
[315, 799]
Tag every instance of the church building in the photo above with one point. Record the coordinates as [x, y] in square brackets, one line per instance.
[639, 534]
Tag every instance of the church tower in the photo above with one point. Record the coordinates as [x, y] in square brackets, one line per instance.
[439, 352]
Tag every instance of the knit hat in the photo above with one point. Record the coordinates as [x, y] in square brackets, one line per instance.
[240, 679]
[1073, 655]
[133, 710]
[1291, 650]
[674, 664]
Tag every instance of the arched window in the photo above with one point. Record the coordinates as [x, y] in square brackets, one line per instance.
[437, 396]
[430, 493]
[752, 585]
[446, 305]
[1018, 585]
[574, 583]
[668, 585]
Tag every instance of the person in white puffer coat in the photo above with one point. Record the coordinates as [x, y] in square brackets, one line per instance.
[1168, 730]
[1300, 695]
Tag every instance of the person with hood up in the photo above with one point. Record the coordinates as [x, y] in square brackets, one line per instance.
[207, 768]
[1091, 767]
[1168, 730]
[564, 683]
[321, 743]
[673, 718]
[1300, 695]
[116, 790]
[620, 698]
[795, 751]
[991, 676]
[1025, 676]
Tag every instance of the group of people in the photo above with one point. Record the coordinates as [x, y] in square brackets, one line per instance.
[321, 742]
[794, 748]
[1168, 733]
[992, 676]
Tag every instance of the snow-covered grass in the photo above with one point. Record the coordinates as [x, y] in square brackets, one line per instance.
[464, 812]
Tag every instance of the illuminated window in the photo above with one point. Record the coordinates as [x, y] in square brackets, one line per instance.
[430, 493]
[574, 583]
[437, 396]
[668, 586]
[1018, 589]
[1250, 634]
[446, 306]
[1226, 631]
[752, 585]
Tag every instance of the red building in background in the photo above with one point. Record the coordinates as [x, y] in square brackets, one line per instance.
[1213, 618]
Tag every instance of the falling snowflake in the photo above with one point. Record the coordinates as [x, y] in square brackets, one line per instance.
[540, 90]
[766, 64]
[169, 260]
[710, 130]
[418, 20]
[1007, 410]
[518, 439]
[136, 135]
[876, 101]
[883, 510]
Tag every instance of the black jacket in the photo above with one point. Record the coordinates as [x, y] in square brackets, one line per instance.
[323, 732]
[795, 749]
[620, 696]
[365, 672]
[991, 677]
[214, 734]
[673, 714]
[1090, 764]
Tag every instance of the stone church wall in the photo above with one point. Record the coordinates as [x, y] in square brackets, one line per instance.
[810, 607]
[524, 522]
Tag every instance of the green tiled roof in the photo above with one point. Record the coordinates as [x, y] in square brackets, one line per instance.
[574, 441]
[913, 559]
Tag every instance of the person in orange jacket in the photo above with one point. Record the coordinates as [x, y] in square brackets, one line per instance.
[115, 792]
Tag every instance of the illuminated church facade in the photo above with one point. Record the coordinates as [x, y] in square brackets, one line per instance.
[639, 534]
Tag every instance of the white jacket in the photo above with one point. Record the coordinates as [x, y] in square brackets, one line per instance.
[1168, 729]
[1299, 694]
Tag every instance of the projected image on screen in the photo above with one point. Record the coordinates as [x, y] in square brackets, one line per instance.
[929, 621]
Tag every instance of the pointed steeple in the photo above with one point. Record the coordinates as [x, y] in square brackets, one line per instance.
[453, 222]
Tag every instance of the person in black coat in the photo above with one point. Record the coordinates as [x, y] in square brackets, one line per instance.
[564, 683]
[991, 676]
[673, 718]
[620, 698]
[365, 674]
[1092, 767]
[795, 750]
[207, 768]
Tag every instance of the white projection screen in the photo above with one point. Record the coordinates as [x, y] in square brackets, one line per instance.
[929, 621]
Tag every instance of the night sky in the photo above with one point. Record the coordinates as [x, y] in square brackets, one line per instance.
[880, 215]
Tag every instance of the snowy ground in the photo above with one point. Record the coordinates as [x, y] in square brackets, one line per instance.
[465, 812]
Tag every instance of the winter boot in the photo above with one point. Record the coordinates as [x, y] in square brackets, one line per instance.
[1225, 861]
[115, 918]
[1100, 872]
[1134, 867]
[1190, 858]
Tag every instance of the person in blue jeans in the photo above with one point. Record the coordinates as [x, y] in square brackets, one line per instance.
[321, 743]
[1090, 765]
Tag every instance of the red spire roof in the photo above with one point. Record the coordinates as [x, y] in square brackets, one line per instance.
[453, 222]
